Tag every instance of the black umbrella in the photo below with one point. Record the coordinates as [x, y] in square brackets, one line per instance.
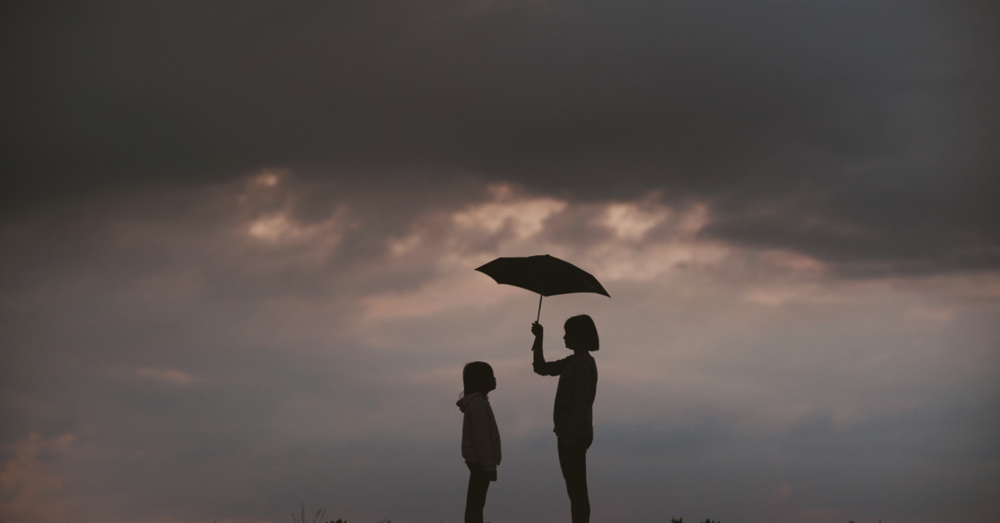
[544, 274]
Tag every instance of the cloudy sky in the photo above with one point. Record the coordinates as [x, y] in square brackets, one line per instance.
[237, 243]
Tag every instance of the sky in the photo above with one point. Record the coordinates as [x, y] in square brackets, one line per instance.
[238, 242]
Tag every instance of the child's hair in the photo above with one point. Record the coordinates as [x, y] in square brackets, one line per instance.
[584, 331]
[476, 377]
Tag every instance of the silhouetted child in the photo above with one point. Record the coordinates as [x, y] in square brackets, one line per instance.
[480, 436]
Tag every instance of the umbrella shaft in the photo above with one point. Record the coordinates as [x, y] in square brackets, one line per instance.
[540, 296]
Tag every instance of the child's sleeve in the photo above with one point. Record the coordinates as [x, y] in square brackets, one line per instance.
[481, 434]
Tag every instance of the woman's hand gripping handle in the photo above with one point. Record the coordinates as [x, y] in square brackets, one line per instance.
[539, 332]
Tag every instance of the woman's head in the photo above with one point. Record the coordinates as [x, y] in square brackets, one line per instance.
[581, 334]
[478, 377]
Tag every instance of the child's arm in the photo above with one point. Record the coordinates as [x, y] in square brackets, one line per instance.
[481, 435]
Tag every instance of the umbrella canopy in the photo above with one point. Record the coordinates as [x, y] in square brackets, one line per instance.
[544, 274]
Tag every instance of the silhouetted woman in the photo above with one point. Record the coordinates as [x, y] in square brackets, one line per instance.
[480, 437]
[573, 413]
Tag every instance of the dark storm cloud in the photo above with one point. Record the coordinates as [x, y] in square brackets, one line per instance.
[860, 133]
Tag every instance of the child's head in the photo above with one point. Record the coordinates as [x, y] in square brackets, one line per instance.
[478, 377]
[581, 333]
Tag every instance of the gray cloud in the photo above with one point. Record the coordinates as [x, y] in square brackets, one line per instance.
[855, 132]
[236, 246]
[227, 351]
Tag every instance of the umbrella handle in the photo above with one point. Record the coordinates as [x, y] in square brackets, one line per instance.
[540, 295]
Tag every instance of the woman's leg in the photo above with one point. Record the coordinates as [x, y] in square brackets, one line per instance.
[475, 498]
[573, 461]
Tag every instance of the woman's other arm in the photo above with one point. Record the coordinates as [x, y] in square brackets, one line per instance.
[581, 414]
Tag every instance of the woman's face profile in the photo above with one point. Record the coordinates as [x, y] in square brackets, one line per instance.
[570, 340]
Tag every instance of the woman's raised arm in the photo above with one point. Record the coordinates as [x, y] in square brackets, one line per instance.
[540, 366]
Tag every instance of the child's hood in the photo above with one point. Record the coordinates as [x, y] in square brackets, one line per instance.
[465, 401]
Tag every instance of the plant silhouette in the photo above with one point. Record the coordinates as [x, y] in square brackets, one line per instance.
[302, 518]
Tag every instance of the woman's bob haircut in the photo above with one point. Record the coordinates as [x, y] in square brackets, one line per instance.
[584, 331]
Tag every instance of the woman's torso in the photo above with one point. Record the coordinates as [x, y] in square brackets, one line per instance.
[575, 394]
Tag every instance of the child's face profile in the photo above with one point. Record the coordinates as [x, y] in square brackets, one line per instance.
[491, 383]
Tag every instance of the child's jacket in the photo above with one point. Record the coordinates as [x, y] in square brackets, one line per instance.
[480, 436]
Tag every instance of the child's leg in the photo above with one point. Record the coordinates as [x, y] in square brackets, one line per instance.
[475, 499]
